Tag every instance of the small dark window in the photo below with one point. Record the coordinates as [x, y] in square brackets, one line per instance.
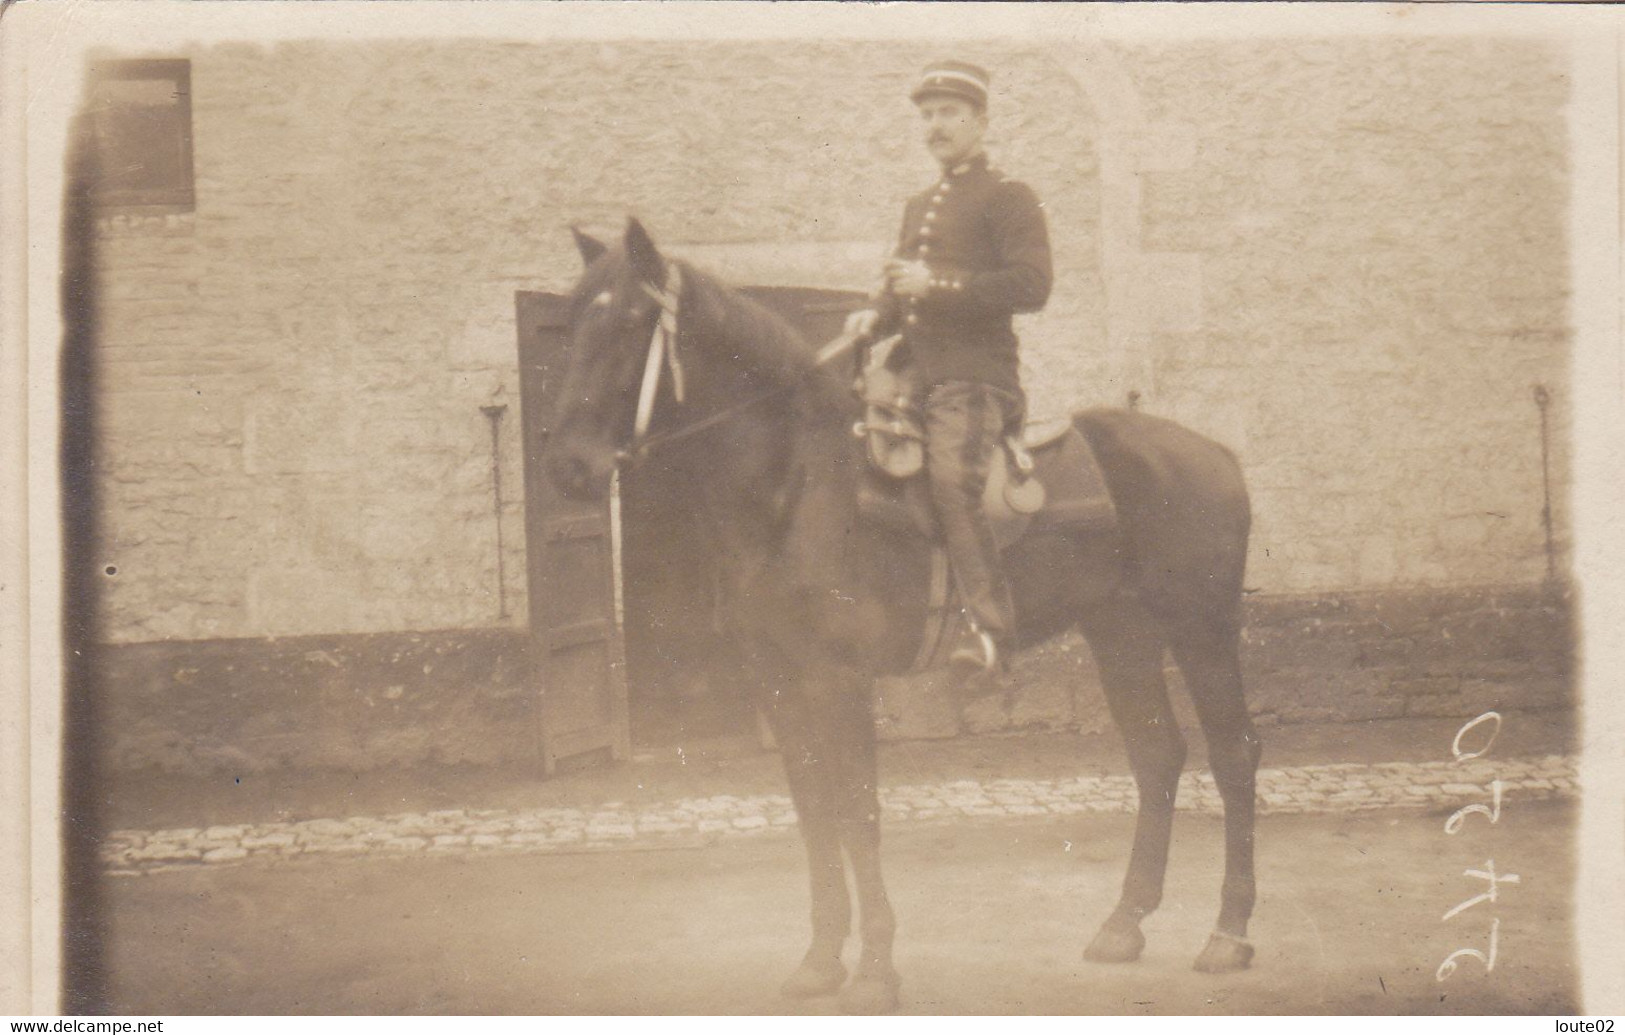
[141, 115]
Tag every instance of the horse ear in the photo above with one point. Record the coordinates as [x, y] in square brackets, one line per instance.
[589, 246]
[642, 253]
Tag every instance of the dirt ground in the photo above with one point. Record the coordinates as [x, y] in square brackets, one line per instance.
[993, 918]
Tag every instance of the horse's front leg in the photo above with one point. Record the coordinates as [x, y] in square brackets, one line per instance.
[874, 986]
[809, 768]
[826, 733]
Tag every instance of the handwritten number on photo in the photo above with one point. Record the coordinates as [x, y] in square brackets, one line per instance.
[1468, 756]
[1453, 825]
[1448, 967]
[1458, 818]
[1487, 873]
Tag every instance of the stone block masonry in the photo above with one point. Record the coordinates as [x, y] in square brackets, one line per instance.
[376, 700]
[1392, 655]
[1323, 657]
[1343, 258]
[317, 702]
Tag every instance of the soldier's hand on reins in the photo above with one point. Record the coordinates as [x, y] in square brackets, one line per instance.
[908, 279]
[861, 324]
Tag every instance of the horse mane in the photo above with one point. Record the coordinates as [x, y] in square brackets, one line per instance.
[762, 340]
[733, 326]
[756, 335]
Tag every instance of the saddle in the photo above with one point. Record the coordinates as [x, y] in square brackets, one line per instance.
[1048, 475]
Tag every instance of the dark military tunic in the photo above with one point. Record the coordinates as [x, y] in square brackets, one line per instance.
[982, 236]
[984, 240]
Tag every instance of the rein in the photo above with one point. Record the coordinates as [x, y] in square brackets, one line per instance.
[663, 354]
[642, 448]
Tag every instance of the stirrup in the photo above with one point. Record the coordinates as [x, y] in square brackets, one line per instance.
[984, 656]
[1020, 455]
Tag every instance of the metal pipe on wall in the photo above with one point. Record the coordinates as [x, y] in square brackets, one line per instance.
[1543, 400]
[493, 413]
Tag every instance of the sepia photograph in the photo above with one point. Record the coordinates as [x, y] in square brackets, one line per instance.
[811, 509]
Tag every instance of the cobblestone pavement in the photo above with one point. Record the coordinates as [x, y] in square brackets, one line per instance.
[614, 825]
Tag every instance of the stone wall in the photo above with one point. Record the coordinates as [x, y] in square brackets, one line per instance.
[1344, 259]
[367, 701]
[1381, 286]
[1332, 657]
[316, 702]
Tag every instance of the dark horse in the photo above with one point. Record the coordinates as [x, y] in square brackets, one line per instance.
[821, 602]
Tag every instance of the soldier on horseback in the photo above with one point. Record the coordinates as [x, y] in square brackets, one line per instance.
[973, 252]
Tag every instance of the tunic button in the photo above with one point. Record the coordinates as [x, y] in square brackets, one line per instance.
[925, 248]
[930, 215]
[913, 318]
[925, 231]
[937, 200]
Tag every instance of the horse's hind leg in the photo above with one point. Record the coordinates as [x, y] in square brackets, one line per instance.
[1128, 652]
[1208, 654]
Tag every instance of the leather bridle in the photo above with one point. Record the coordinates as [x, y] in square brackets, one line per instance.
[663, 354]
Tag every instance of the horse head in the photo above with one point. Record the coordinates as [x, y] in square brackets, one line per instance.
[622, 359]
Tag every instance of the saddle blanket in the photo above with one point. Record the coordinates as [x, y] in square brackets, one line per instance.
[1074, 486]
[1074, 491]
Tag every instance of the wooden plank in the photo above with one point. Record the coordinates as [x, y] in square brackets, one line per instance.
[574, 634]
[577, 526]
[579, 742]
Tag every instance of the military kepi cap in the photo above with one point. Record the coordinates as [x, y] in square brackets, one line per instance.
[953, 78]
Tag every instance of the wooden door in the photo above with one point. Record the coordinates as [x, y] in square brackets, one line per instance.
[818, 313]
[570, 549]
[686, 679]
[578, 640]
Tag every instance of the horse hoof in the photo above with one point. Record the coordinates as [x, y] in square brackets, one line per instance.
[1224, 953]
[1119, 941]
[869, 995]
[811, 979]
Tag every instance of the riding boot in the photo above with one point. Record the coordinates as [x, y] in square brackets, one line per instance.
[964, 424]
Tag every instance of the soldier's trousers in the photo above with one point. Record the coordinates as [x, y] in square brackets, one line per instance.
[964, 425]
